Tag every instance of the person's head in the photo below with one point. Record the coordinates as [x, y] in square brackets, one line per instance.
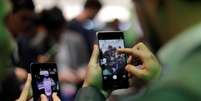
[22, 18]
[167, 18]
[92, 7]
[53, 20]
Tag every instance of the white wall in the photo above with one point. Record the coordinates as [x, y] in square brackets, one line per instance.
[71, 8]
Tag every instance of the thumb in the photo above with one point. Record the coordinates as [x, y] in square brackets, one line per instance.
[55, 97]
[43, 97]
[94, 56]
[25, 91]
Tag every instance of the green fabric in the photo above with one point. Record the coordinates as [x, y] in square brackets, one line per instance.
[181, 83]
[175, 51]
[181, 58]
[89, 94]
[5, 45]
[4, 8]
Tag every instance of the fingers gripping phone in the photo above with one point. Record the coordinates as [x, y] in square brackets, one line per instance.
[44, 80]
[112, 63]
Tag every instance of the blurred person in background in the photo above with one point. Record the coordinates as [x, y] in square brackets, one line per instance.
[21, 23]
[64, 47]
[177, 24]
[9, 77]
[80, 23]
[71, 58]
[20, 9]
[50, 29]
[113, 25]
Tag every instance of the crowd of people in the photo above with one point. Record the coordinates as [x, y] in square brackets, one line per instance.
[171, 28]
[44, 37]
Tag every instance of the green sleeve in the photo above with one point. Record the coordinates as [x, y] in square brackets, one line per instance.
[169, 94]
[89, 94]
[5, 40]
[5, 54]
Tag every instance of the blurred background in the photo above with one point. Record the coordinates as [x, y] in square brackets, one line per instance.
[61, 31]
[119, 13]
[64, 32]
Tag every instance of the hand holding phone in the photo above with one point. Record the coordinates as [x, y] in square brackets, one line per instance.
[147, 68]
[44, 80]
[94, 73]
[24, 96]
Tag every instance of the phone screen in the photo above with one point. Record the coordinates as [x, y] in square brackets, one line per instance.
[44, 80]
[112, 63]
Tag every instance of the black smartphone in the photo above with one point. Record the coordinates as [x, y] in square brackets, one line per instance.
[112, 63]
[44, 80]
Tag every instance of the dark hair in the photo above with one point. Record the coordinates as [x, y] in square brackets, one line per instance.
[93, 4]
[52, 19]
[22, 4]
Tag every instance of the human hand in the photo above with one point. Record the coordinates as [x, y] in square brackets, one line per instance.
[149, 67]
[54, 97]
[25, 92]
[93, 74]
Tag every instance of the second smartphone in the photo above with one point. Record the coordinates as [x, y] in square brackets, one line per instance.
[112, 63]
[44, 80]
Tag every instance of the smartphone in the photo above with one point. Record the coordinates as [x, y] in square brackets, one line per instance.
[44, 80]
[112, 63]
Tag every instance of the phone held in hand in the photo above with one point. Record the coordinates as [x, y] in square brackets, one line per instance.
[112, 63]
[44, 80]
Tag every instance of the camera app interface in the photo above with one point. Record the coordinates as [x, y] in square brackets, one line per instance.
[46, 81]
[112, 63]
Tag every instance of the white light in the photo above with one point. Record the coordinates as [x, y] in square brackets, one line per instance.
[71, 11]
[71, 8]
[44, 4]
[109, 13]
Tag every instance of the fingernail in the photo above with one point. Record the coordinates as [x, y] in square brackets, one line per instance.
[29, 77]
